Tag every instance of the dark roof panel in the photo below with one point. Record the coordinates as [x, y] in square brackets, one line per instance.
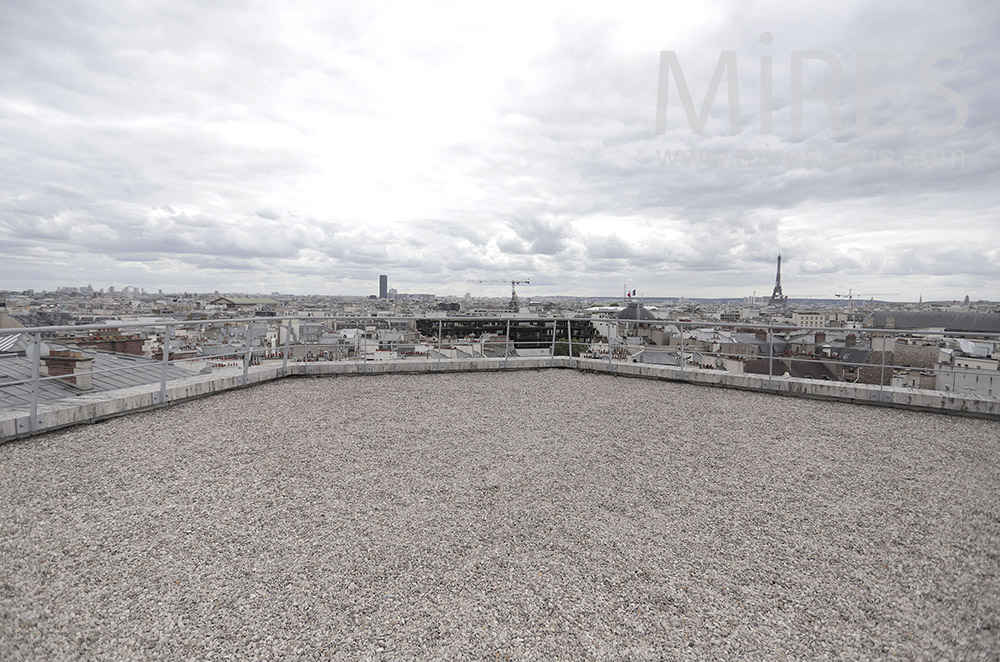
[969, 322]
[128, 371]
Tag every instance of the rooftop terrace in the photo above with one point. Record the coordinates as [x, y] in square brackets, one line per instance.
[542, 514]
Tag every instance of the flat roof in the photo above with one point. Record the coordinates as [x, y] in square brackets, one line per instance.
[543, 514]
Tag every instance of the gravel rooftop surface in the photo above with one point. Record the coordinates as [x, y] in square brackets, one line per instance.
[528, 515]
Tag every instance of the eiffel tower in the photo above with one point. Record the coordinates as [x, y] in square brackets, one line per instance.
[777, 297]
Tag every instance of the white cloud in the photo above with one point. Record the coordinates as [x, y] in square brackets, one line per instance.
[310, 148]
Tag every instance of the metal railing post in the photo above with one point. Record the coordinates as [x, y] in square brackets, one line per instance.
[168, 333]
[569, 336]
[628, 331]
[246, 355]
[881, 379]
[770, 357]
[683, 360]
[506, 357]
[440, 333]
[284, 353]
[36, 339]
[609, 347]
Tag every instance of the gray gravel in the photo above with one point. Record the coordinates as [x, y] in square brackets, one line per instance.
[538, 515]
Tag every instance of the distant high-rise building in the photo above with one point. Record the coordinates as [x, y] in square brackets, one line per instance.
[383, 287]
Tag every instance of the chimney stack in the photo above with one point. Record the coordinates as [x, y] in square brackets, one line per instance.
[851, 340]
[72, 367]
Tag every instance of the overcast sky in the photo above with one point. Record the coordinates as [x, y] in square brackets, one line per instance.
[310, 147]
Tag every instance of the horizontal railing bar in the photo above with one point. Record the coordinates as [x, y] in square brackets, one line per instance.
[682, 324]
[803, 359]
[506, 347]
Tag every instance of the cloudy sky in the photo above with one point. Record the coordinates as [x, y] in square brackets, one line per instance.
[308, 147]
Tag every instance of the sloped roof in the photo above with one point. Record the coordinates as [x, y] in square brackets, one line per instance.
[11, 342]
[208, 351]
[810, 370]
[795, 368]
[244, 301]
[658, 357]
[777, 342]
[635, 310]
[857, 354]
[536, 352]
[970, 322]
[129, 371]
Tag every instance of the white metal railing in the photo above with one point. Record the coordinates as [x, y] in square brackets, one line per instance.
[436, 337]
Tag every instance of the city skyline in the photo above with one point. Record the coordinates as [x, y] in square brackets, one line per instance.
[187, 148]
[848, 297]
[495, 293]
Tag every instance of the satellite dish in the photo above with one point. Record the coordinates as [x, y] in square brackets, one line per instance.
[32, 349]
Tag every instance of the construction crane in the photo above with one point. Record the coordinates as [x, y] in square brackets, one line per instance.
[513, 289]
[851, 294]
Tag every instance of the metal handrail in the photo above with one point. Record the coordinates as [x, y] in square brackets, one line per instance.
[244, 350]
[512, 318]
